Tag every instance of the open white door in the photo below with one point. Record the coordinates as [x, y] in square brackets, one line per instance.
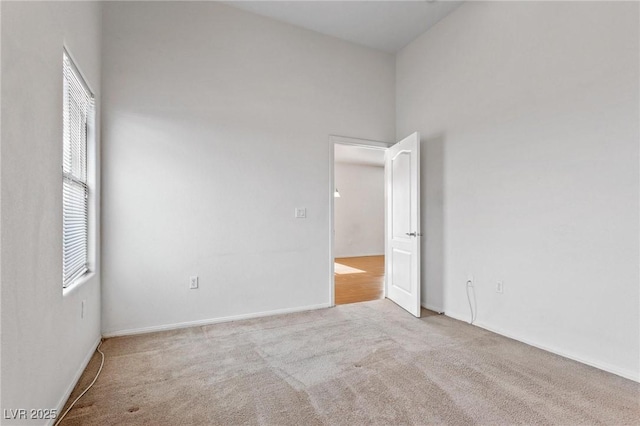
[402, 251]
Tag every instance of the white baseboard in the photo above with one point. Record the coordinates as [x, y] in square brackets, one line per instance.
[74, 382]
[186, 324]
[358, 255]
[432, 308]
[627, 374]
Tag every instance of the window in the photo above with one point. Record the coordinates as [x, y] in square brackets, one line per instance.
[77, 116]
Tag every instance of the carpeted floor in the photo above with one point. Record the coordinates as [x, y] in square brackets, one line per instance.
[365, 363]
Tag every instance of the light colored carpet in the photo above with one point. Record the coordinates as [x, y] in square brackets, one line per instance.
[365, 363]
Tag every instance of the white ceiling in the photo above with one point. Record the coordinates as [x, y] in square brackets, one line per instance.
[358, 155]
[383, 25]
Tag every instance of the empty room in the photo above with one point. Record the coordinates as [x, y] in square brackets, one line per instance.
[319, 213]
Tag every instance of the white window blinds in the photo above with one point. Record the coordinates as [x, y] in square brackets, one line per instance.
[77, 111]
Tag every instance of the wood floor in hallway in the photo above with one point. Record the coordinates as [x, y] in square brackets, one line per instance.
[359, 279]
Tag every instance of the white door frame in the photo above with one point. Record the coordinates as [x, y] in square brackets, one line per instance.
[363, 143]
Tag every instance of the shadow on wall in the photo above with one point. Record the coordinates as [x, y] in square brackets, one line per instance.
[432, 218]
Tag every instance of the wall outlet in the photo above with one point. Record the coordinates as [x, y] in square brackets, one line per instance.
[500, 287]
[301, 213]
[193, 282]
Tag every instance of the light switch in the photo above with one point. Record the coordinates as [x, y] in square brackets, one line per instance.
[193, 282]
[301, 213]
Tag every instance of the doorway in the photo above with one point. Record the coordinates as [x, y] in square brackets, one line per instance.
[401, 217]
[358, 212]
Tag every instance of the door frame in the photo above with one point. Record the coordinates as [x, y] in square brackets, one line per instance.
[363, 143]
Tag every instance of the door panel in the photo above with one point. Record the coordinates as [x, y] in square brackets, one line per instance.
[402, 180]
[401, 194]
[401, 277]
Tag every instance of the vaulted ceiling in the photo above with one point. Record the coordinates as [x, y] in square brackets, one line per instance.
[383, 25]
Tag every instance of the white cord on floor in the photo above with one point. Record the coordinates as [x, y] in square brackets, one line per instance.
[85, 391]
[474, 312]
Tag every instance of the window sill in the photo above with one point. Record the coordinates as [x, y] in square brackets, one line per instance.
[79, 282]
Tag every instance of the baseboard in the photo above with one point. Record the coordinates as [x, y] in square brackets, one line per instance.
[359, 255]
[75, 380]
[432, 308]
[209, 321]
[627, 374]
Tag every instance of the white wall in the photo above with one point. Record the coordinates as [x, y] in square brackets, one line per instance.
[529, 116]
[45, 342]
[359, 212]
[216, 126]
